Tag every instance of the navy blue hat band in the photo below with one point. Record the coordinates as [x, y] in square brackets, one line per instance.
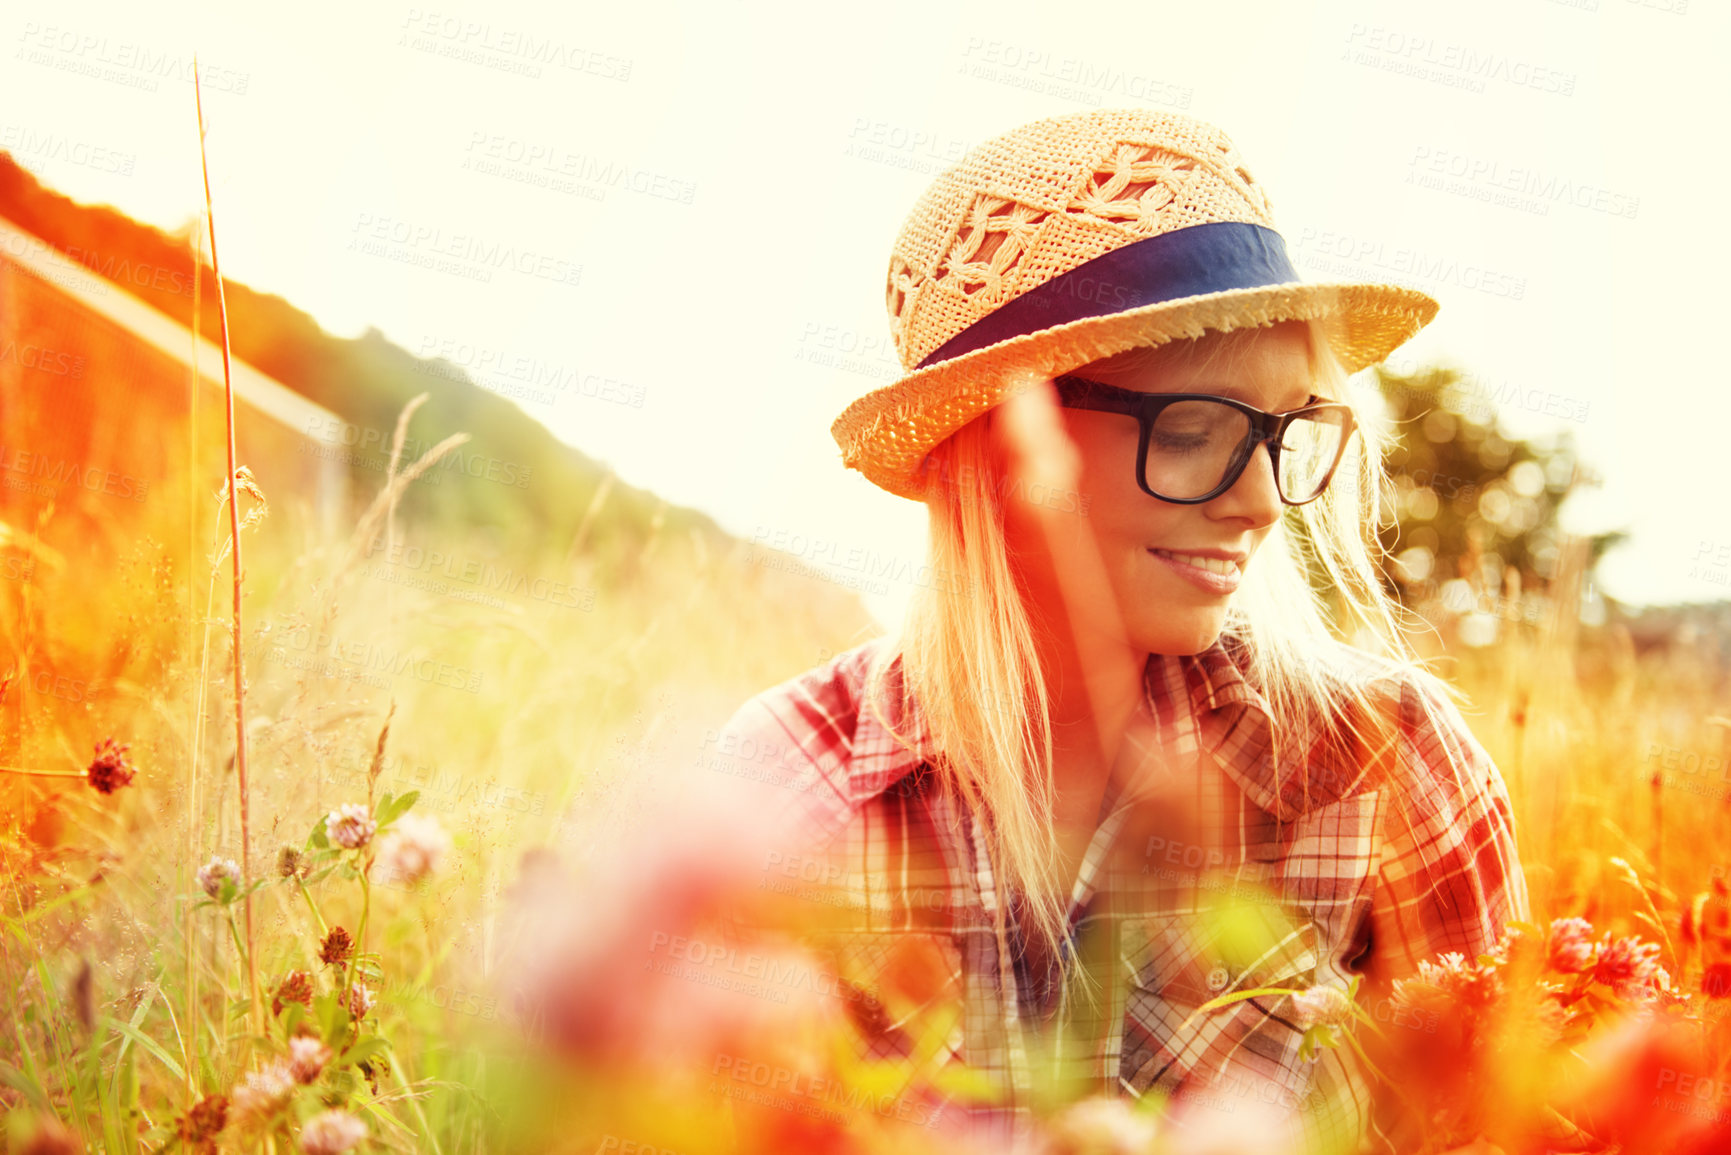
[1186, 262]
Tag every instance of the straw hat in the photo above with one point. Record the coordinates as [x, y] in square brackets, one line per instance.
[1075, 238]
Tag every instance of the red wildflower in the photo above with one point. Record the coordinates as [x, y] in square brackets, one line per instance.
[296, 987]
[337, 947]
[1572, 949]
[110, 770]
[1629, 966]
[199, 1127]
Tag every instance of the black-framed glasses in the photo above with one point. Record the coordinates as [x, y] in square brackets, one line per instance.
[1194, 446]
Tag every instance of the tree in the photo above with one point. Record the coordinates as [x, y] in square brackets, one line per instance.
[1475, 529]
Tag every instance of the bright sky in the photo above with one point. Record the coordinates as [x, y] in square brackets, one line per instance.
[705, 195]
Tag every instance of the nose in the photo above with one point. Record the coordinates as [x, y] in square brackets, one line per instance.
[1254, 497]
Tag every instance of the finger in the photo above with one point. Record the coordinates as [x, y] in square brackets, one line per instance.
[1039, 452]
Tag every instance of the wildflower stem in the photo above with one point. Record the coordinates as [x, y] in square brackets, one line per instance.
[323, 929]
[239, 946]
[360, 932]
[234, 532]
[42, 773]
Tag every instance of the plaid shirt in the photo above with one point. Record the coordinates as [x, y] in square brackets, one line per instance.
[1192, 817]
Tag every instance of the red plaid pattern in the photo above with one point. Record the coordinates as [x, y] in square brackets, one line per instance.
[1340, 860]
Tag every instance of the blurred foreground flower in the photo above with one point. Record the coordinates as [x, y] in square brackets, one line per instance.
[1631, 968]
[1571, 946]
[332, 1133]
[668, 960]
[307, 1058]
[414, 848]
[1554, 1041]
[200, 1126]
[1101, 1126]
[261, 1094]
[50, 1137]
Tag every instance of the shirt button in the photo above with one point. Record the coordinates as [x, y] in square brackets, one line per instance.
[1218, 978]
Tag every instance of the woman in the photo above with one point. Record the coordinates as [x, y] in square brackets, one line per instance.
[1116, 764]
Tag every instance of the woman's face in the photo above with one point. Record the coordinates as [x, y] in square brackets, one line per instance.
[1164, 605]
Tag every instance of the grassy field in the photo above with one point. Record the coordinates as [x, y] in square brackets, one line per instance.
[533, 702]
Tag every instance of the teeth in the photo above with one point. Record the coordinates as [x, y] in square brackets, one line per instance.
[1217, 565]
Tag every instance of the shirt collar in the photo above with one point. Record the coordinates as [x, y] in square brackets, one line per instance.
[1228, 715]
[1231, 718]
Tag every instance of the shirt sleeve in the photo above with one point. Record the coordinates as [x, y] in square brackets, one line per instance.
[781, 759]
[1449, 876]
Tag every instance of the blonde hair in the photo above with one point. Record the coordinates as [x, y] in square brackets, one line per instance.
[969, 660]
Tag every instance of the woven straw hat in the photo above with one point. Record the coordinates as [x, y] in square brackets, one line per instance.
[1075, 238]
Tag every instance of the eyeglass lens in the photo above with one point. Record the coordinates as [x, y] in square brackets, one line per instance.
[1193, 444]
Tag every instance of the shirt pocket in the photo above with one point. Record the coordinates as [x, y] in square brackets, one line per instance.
[1177, 963]
[1286, 919]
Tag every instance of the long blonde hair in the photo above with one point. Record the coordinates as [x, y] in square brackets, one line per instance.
[969, 659]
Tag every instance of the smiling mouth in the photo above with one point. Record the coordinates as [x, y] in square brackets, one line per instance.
[1219, 565]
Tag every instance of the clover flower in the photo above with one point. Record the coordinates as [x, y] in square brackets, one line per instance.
[1470, 984]
[360, 1000]
[296, 987]
[350, 826]
[199, 1127]
[292, 863]
[331, 1133]
[307, 1057]
[214, 873]
[337, 946]
[1631, 968]
[110, 770]
[1326, 1006]
[1571, 949]
[412, 850]
[1101, 1126]
[264, 1092]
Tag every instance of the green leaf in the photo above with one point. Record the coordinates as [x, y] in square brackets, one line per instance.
[127, 1087]
[122, 1059]
[1240, 996]
[319, 838]
[47, 907]
[147, 1043]
[363, 1050]
[390, 809]
[343, 1083]
[22, 1083]
[333, 1016]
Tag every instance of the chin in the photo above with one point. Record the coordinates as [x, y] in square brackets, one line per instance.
[1162, 638]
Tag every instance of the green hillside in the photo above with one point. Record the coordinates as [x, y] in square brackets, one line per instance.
[365, 380]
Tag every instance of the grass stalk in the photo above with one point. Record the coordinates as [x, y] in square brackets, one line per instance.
[234, 532]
